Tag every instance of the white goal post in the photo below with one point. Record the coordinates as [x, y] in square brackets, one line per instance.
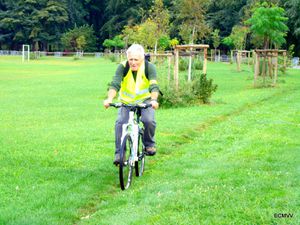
[25, 53]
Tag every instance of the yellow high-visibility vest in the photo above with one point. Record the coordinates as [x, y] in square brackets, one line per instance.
[134, 91]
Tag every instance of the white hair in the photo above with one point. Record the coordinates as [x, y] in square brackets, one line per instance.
[136, 48]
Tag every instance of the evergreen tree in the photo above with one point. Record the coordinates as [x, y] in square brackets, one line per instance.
[121, 13]
[41, 23]
[35, 22]
[50, 22]
[76, 13]
[225, 14]
[292, 11]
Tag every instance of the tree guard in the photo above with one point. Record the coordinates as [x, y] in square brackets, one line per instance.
[169, 56]
[189, 48]
[269, 62]
[240, 54]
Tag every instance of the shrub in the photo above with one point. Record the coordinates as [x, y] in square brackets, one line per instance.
[76, 57]
[183, 64]
[203, 88]
[113, 58]
[197, 64]
[282, 70]
[171, 97]
[198, 91]
[32, 55]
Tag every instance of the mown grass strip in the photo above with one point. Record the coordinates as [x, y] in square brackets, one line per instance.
[56, 145]
[239, 171]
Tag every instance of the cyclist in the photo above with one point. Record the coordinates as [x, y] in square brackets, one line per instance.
[135, 80]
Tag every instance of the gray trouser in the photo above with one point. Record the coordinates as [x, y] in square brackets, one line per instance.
[147, 118]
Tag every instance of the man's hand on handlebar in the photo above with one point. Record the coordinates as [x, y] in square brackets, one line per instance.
[154, 104]
[106, 102]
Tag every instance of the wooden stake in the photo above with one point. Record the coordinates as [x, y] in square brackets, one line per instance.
[270, 66]
[190, 66]
[256, 70]
[238, 61]
[205, 61]
[284, 60]
[276, 68]
[176, 68]
[169, 68]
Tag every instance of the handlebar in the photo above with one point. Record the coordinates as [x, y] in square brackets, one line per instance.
[137, 106]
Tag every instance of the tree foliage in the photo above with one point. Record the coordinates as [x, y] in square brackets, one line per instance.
[224, 14]
[191, 15]
[79, 38]
[293, 11]
[268, 23]
[146, 34]
[238, 36]
[116, 43]
[121, 13]
[160, 16]
[41, 23]
[129, 34]
[164, 42]
[33, 21]
[216, 38]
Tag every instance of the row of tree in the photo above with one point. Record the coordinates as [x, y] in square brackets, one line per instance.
[93, 25]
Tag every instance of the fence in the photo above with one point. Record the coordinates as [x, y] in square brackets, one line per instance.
[55, 54]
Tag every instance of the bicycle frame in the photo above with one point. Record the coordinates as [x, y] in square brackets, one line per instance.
[131, 134]
[132, 129]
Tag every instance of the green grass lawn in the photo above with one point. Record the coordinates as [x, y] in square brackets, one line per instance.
[235, 161]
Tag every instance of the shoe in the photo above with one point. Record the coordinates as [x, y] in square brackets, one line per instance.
[117, 159]
[150, 151]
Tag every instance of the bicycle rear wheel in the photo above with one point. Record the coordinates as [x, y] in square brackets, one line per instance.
[125, 167]
[140, 165]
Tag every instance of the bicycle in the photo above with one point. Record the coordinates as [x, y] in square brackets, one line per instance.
[132, 151]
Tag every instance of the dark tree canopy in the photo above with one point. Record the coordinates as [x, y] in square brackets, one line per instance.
[42, 23]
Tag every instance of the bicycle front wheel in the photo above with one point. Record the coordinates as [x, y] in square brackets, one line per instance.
[125, 166]
[140, 165]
